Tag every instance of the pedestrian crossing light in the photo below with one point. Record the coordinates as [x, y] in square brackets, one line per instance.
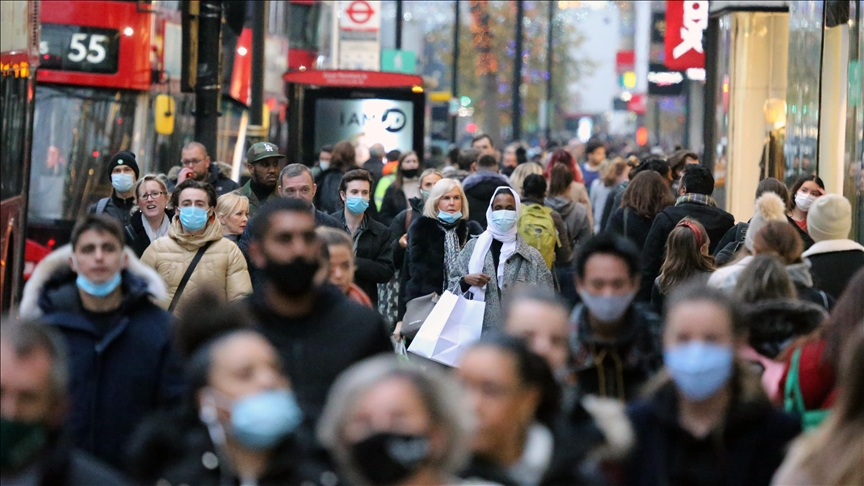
[464, 101]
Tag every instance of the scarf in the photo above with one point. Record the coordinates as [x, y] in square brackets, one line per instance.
[451, 256]
[162, 231]
[484, 242]
[696, 198]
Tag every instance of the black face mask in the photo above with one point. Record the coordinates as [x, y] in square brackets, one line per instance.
[388, 458]
[410, 173]
[293, 278]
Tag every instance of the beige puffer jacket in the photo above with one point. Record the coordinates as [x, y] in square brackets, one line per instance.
[222, 268]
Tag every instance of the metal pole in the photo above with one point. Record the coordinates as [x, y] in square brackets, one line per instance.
[399, 24]
[454, 80]
[517, 73]
[208, 90]
[255, 131]
[549, 55]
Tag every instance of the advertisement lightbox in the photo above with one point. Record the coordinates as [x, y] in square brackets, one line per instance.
[386, 121]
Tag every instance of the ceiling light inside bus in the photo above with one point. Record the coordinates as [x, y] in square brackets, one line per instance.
[128, 31]
[242, 51]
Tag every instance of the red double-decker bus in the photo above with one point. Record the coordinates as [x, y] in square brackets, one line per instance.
[104, 65]
[19, 41]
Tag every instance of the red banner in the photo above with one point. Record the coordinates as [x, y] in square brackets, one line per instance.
[686, 22]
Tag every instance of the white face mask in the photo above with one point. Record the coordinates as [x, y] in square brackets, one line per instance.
[803, 201]
[607, 308]
[324, 164]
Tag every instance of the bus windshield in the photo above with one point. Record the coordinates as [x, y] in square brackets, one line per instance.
[75, 132]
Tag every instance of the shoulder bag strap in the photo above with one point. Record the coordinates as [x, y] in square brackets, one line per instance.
[793, 400]
[188, 274]
[408, 217]
[625, 222]
[100, 206]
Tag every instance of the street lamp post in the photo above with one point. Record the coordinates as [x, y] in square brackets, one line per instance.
[454, 80]
[549, 55]
[517, 73]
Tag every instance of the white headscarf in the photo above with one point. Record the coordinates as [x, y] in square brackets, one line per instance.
[484, 242]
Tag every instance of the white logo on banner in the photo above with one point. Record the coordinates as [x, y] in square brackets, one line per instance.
[695, 22]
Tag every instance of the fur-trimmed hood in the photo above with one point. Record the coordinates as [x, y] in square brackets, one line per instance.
[773, 324]
[831, 246]
[55, 271]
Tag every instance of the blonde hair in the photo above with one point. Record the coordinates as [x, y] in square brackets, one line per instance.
[229, 203]
[159, 179]
[611, 170]
[521, 172]
[430, 210]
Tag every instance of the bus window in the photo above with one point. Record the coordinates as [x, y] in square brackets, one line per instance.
[75, 132]
[13, 116]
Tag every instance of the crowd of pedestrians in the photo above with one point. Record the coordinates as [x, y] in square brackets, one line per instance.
[204, 332]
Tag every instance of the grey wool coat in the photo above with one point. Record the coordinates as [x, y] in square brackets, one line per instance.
[532, 271]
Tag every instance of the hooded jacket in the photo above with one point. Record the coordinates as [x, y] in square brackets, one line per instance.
[525, 267]
[327, 195]
[575, 217]
[220, 182]
[834, 263]
[117, 377]
[773, 324]
[222, 268]
[479, 188]
[745, 451]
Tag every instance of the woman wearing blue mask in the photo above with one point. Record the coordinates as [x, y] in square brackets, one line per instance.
[706, 420]
[434, 241]
[240, 423]
[500, 259]
[196, 229]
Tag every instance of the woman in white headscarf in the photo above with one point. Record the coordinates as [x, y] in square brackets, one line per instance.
[499, 259]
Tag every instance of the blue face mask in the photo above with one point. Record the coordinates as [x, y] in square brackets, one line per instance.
[504, 220]
[261, 420]
[698, 368]
[193, 218]
[449, 218]
[95, 289]
[122, 182]
[356, 204]
[424, 194]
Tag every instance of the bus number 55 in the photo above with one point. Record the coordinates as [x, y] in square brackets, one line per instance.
[94, 54]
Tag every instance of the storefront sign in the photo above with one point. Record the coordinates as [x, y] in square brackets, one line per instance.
[664, 82]
[389, 122]
[686, 22]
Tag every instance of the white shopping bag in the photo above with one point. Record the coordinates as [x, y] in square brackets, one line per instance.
[453, 325]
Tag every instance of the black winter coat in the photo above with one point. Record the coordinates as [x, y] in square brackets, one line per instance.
[638, 226]
[423, 270]
[393, 203]
[479, 189]
[136, 235]
[613, 202]
[169, 449]
[221, 183]
[715, 220]
[834, 264]
[805, 237]
[117, 376]
[747, 452]
[317, 347]
[116, 207]
[373, 256]
[327, 195]
[773, 324]
[399, 227]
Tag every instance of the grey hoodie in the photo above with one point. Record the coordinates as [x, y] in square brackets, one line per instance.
[575, 217]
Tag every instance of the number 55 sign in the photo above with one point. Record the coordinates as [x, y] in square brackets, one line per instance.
[75, 48]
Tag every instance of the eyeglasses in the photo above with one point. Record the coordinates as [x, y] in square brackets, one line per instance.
[191, 162]
[153, 195]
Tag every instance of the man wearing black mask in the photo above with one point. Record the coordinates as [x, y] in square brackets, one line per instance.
[316, 329]
[34, 379]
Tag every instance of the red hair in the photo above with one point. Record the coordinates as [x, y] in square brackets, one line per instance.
[566, 158]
